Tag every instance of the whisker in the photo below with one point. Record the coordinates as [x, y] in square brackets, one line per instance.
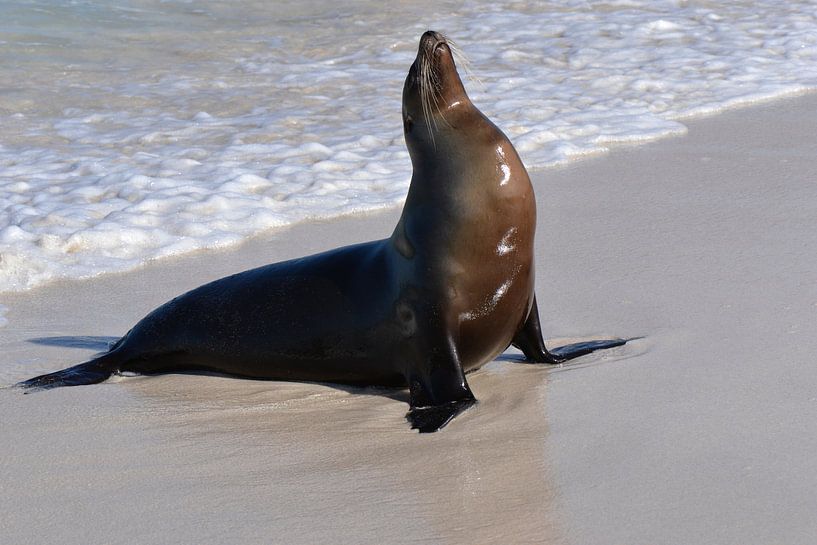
[426, 89]
[430, 87]
[437, 84]
[465, 63]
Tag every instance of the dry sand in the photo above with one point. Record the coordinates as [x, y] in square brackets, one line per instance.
[703, 432]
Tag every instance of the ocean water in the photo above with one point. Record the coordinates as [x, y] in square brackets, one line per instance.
[137, 129]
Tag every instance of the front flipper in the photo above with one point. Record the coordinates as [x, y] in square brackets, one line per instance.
[435, 417]
[570, 351]
[529, 340]
[437, 387]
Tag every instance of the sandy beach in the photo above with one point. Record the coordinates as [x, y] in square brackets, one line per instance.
[702, 432]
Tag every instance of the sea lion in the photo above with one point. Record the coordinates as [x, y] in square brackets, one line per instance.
[448, 291]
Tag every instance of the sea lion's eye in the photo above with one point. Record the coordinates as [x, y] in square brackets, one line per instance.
[408, 123]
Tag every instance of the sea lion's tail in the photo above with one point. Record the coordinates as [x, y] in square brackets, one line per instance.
[90, 372]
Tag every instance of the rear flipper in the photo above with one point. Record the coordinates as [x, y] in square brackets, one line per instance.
[92, 372]
[529, 340]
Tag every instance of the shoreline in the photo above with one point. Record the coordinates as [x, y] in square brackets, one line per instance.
[603, 148]
[700, 432]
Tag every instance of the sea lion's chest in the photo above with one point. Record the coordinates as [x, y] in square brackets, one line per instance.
[489, 276]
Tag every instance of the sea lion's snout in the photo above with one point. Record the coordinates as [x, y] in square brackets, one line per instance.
[430, 40]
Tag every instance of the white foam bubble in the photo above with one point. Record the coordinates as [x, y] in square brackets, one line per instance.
[134, 142]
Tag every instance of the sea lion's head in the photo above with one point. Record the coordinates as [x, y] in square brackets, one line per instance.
[434, 98]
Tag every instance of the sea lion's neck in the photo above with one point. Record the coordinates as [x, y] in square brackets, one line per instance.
[451, 192]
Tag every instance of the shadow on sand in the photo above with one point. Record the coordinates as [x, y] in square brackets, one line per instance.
[71, 341]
